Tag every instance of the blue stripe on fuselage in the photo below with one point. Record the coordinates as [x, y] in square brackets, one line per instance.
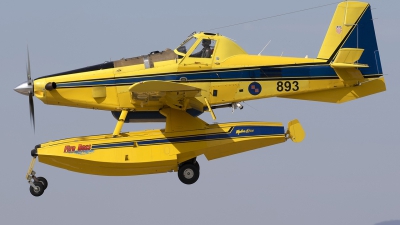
[250, 74]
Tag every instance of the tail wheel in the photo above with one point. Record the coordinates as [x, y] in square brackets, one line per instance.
[38, 191]
[189, 173]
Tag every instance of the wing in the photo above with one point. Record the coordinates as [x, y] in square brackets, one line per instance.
[175, 95]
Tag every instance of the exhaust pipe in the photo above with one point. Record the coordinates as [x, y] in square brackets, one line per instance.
[50, 86]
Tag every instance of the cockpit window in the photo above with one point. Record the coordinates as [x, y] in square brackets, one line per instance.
[204, 49]
[186, 45]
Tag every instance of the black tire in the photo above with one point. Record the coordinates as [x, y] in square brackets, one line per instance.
[197, 165]
[43, 181]
[188, 173]
[39, 189]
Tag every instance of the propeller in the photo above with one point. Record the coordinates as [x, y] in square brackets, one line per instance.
[30, 83]
[26, 88]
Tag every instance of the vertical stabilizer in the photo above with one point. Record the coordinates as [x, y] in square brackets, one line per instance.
[352, 27]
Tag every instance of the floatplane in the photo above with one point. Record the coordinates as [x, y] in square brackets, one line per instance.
[206, 72]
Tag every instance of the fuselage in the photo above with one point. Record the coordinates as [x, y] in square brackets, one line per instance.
[229, 75]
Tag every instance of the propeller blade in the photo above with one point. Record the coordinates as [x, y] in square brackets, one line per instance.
[32, 110]
[28, 69]
[28, 89]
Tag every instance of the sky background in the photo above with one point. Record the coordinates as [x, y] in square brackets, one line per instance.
[346, 171]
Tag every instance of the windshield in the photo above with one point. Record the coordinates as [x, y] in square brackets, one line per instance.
[186, 45]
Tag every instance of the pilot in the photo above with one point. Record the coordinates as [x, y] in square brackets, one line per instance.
[206, 52]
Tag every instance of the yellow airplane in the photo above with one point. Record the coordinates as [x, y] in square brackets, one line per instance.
[207, 71]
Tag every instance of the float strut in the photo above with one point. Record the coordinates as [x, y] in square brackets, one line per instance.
[120, 122]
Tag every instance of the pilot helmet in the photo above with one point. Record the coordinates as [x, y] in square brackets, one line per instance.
[206, 42]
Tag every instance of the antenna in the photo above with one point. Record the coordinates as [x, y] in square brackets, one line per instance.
[264, 47]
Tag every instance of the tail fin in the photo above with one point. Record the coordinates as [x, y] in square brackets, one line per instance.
[352, 27]
[351, 49]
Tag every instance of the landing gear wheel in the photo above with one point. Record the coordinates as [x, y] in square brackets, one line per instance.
[38, 191]
[188, 173]
[197, 165]
[43, 181]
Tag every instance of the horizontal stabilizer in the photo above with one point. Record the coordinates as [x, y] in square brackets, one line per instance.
[348, 65]
[346, 94]
[346, 68]
[347, 57]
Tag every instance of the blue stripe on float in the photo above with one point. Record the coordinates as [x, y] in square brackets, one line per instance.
[112, 145]
[237, 132]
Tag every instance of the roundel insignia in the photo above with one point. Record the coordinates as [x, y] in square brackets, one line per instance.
[255, 88]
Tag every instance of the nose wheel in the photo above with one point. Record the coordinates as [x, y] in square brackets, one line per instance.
[36, 188]
[37, 184]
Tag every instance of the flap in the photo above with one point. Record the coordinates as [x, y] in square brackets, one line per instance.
[175, 95]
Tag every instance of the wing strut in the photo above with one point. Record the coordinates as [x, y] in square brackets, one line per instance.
[210, 109]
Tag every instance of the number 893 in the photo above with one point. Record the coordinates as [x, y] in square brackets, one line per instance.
[287, 86]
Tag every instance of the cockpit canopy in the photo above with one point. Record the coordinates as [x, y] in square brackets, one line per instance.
[197, 45]
[208, 45]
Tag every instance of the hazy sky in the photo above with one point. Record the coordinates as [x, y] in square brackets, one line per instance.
[346, 171]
